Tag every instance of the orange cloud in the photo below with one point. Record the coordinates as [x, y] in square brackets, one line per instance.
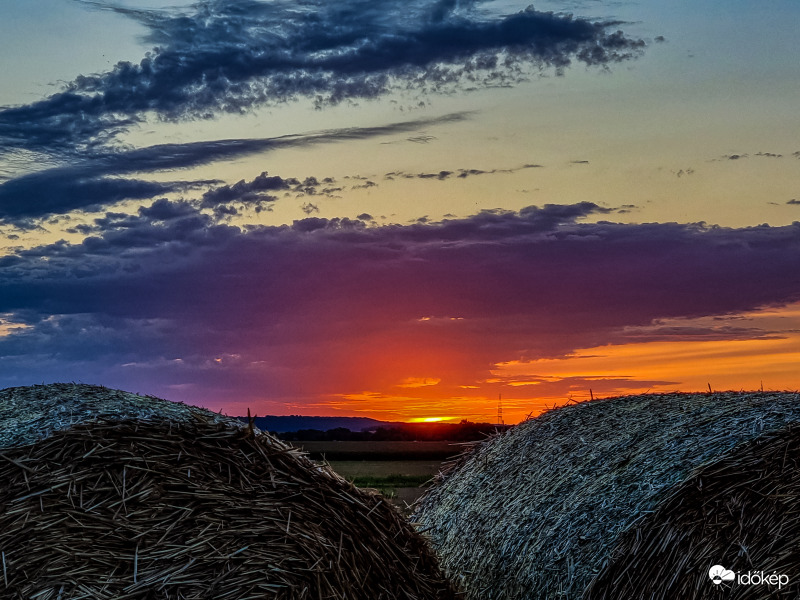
[417, 382]
[678, 354]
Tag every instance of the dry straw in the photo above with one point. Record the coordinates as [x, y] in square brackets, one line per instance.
[192, 507]
[573, 495]
[742, 511]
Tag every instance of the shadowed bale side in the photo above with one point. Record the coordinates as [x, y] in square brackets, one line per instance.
[742, 512]
[193, 508]
[536, 512]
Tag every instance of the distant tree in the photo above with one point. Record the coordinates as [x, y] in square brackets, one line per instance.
[464, 431]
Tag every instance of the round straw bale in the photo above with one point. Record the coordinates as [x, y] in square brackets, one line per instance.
[190, 506]
[538, 511]
[741, 511]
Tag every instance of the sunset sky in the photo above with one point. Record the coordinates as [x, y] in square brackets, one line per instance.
[400, 209]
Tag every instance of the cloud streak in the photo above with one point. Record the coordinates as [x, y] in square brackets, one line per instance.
[461, 173]
[98, 180]
[229, 56]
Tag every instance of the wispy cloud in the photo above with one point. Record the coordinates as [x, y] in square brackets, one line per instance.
[460, 173]
[228, 56]
[98, 180]
[740, 156]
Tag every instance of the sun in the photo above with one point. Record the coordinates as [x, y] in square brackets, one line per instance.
[428, 419]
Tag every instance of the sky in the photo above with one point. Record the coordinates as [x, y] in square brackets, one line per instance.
[400, 210]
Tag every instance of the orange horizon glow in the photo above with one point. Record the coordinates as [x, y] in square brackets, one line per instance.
[529, 388]
[728, 365]
[416, 386]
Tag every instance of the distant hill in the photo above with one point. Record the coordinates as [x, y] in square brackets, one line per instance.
[297, 422]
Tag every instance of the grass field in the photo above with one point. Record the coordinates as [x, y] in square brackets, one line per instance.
[401, 481]
[375, 451]
[359, 469]
[398, 470]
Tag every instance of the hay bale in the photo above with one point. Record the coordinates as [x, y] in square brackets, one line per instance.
[545, 505]
[742, 512]
[132, 504]
[34, 412]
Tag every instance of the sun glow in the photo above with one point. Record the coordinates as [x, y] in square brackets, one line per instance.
[429, 419]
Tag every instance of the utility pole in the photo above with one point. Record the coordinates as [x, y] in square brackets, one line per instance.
[500, 409]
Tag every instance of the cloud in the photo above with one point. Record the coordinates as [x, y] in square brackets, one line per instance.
[164, 210]
[692, 333]
[421, 139]
[417, 382]
[64, 189]
[745, 155]
[232, 55]
[97, 181]
[257, 192]
[462, 173]
[336, 306]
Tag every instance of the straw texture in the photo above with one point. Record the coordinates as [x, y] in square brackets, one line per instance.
[536, 512]
[741, 512]
[195, 508]
[34, 412]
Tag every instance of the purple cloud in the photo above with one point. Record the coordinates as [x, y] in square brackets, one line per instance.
[328, 306]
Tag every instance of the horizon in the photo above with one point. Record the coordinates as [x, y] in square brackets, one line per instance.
[590, 397]
[400, 212]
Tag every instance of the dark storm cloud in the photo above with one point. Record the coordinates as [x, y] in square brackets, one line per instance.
[339, 305]
[95, 181]
[231, 55]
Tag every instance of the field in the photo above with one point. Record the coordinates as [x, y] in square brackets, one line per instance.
[359, 469]
[380, 451]
[398, 470]
[401, 481]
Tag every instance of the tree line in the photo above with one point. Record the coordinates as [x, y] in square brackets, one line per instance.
[465, 431]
